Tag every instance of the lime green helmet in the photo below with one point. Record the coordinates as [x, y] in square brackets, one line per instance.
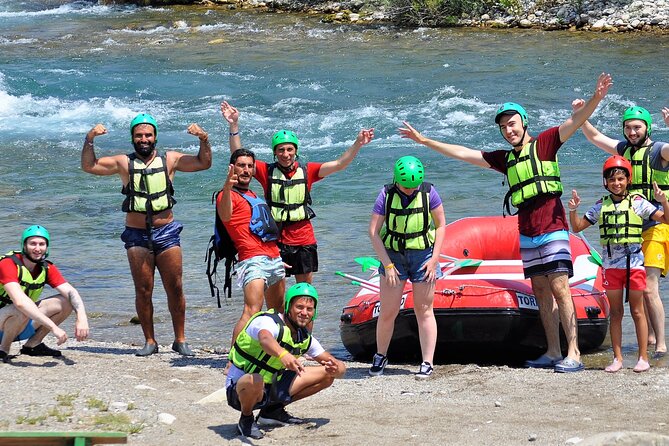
[408, 172]
[638, 113]
[144, 118]
[36, 231]
[284, 136]
[511, 108]
[302, 289]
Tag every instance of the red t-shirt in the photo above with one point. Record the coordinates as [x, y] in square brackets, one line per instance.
[9, 273]
[248, 245]
[545, 213]
[300, 233]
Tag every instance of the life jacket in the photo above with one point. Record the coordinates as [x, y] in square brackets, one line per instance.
[618, 223]
[149, 188]
[289, 199]
[409, 227]
[221, 246]
[247, 354]
[32, 286]
[530, 177]
[642, 174]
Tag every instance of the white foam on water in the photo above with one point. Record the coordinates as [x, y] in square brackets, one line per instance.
[81, 8]
[5, 41]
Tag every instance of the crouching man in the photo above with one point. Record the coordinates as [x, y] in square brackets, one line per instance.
[23, 275]
[266, 373]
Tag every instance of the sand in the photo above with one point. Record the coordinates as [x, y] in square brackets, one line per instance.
[98, 386]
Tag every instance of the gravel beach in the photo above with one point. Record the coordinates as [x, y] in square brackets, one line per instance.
[159, 401]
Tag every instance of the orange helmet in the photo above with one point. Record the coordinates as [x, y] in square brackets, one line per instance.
[617, 161]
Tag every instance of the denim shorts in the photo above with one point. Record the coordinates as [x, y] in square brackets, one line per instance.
[164, 237]
[409, 262]
[269, 269]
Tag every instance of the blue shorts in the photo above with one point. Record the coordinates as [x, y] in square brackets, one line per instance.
[408, 264]
[25, 334]
[164, 237]
[269, 269]
[276, 392]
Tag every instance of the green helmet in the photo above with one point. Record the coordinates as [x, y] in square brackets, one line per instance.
[511, 108]
[144, 118]
[408, 172]
[638, 113]
[36, 231]
[284, 136]
[302, 289]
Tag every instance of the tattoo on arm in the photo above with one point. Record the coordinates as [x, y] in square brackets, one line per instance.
[75, 301]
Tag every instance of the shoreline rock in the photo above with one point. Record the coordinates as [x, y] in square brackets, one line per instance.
[609, 16]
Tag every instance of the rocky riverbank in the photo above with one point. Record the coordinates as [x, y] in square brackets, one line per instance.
[586, 15]
[167, 399]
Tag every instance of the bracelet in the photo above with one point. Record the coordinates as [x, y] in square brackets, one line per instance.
[389, 266]
[283, 353]
[572, 210]
[234, 133]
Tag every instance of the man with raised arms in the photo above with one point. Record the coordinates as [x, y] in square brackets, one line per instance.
[535, 189]
[287, 188]
[23, 315]
[650, 162]
[151, 235]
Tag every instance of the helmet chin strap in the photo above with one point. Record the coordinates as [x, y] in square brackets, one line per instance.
[302, 332]
[29, 257]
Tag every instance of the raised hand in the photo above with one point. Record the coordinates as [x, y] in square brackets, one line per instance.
[365, 137]
[604, 82]
[230, 113]
[660, 196]
[409, 132]
[196, 130]
[665, 115]
[574, 201]
[98, 130]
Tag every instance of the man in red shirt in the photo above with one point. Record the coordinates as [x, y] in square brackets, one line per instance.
[535, 189]
[260, 270]
[23, 315]
[287, 188]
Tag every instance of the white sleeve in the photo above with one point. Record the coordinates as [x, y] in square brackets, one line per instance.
[315, 348]
[262, 323]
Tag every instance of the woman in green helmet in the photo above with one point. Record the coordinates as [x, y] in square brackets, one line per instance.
[407, 229]
[650, 163]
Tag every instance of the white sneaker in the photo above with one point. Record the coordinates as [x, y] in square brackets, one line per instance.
[425, 370]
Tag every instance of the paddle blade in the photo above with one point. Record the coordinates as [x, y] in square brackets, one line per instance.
[367, 262]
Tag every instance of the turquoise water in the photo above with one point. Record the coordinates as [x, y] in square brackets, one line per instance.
[65, 66]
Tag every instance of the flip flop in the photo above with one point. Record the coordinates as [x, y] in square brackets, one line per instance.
[542, 362]
[569, 365]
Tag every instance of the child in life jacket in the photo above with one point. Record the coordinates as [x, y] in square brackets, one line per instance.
[620, 217]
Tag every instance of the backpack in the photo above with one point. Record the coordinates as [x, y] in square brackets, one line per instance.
[220, 247]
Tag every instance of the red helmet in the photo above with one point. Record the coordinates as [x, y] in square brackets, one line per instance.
[617, 161]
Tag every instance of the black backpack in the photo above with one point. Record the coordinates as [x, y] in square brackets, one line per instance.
[220, 247]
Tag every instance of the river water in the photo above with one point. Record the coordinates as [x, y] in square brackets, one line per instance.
[65, 66]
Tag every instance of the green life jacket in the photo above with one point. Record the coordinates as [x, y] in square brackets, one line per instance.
[30, 285]
[618, 223]
[148, 184]
[409, 227]
[289, 199]
[247, 354]
[642, 174]
[530, 177]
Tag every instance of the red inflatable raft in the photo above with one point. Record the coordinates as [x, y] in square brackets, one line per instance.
[483, 304]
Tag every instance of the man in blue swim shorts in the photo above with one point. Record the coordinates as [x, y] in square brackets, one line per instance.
[151, 236]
